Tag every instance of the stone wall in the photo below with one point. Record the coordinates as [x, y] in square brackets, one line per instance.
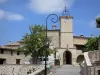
[11, 59]
[55, 38]
[18, 69]
[93, 70]
[93, 55]
[92, 64]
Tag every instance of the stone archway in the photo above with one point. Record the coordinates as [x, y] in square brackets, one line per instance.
[67, 57]
[80, 58]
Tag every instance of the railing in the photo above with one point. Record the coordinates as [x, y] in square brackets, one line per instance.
[87, 59]
[85, 66]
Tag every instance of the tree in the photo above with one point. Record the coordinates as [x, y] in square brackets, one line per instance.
[98, 26]
[34, 42]
[92, 44]
[98, 22]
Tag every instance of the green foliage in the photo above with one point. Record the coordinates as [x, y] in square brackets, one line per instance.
[34, 42]
[98, 22]
[92, 44]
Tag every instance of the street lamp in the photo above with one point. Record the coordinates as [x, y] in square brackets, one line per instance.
[55, 56]
[54, 19]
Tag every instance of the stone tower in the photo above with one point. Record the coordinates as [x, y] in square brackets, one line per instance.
[67, 51]
[66, 30]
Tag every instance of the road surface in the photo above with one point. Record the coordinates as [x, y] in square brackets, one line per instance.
[67, 70]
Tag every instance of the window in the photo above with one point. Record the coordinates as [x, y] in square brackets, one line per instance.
[40, 59]
[79, 47]
[44, 59]
[2, 51]
[11, 53]
[17, 61]
[18, 53]
[98, 72]
[2, 61]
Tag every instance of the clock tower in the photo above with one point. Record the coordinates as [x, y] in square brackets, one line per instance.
[66, 30]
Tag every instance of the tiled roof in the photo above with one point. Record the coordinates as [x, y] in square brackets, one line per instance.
[54, 30]
[8, 48]
[15, 44]
[81, 37]
[18, 43]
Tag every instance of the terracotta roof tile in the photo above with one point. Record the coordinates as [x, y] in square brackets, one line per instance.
[81, 37]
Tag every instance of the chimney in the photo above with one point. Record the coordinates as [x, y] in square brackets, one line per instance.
[91, 35]
[54, 27]
[9, 42]
[81, 36]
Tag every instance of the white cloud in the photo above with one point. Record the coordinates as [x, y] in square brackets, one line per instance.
[14, 17]
[4, 15]
[3, 1]
[49, 6]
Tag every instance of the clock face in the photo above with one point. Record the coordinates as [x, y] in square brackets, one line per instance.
[67, 20]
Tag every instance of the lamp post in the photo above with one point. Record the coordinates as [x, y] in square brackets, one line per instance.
[55, 55]
[54, 19]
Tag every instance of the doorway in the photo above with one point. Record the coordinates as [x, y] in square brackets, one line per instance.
[67, 57]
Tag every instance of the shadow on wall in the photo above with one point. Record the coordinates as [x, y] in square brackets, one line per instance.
[80, 58]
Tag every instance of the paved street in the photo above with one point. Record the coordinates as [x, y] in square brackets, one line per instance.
[67, 70]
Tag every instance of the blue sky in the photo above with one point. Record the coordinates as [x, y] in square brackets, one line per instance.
[17, 15]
